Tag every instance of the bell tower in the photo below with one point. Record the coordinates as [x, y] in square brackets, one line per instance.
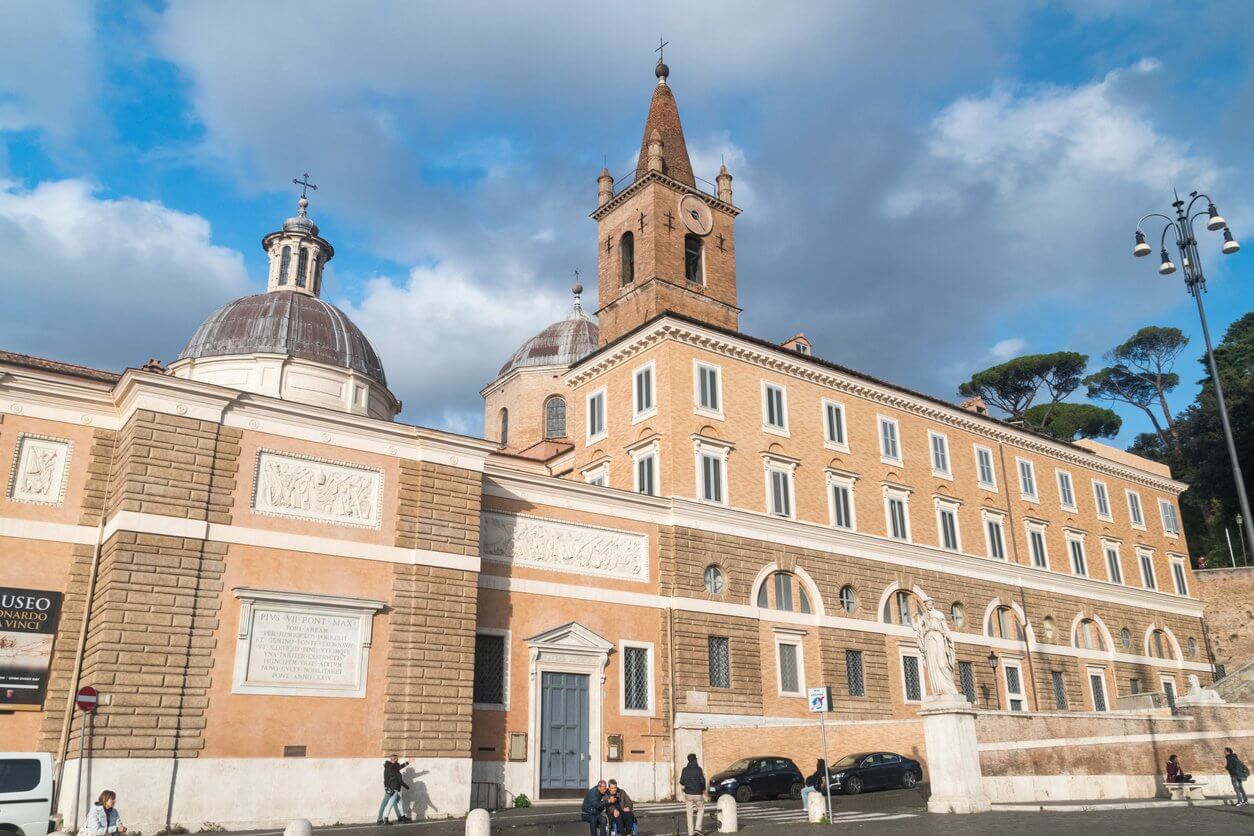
[664, 244]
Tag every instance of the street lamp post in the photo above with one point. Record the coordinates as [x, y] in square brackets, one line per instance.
[992, 663]
[1195, 281]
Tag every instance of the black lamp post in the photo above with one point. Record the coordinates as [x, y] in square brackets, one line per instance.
[992, 663]
[1195, 281]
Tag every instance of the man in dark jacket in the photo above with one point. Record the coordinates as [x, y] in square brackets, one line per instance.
[593, 810]
[692, 782]
[1238, 772]
[393, 783]
[619, 809]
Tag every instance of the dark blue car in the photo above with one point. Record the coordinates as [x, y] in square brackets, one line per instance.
[764, 776]
[874, 770]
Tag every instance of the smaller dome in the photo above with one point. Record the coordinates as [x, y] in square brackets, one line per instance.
[301, 222]
[561, 344]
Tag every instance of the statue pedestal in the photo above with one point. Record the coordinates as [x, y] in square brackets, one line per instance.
[953, 756]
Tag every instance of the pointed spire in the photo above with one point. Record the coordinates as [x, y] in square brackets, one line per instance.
[577, 289]
[663, 121]
[605, 186]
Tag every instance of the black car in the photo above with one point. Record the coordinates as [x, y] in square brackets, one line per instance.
[764, 776]
[874, 770]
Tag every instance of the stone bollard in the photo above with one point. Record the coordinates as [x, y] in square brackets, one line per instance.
[816, 807]
[298, 827]
[727, 822]
[478, 823]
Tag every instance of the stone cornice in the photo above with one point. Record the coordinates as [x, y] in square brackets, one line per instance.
[658, 177]
[783, 361]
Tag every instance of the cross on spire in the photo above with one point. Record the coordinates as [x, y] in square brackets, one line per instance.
[305, 185]
[661, 45]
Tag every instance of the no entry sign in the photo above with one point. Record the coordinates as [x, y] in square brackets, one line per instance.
[87, 698]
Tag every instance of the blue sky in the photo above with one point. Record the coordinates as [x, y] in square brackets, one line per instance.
[927, 188]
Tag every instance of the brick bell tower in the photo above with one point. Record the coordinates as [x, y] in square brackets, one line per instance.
[664, 244]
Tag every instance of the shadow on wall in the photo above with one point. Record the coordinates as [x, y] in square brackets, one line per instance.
[416, 801]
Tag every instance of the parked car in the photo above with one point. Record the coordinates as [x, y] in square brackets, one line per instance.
[26, 794]
[764, 776]
[874, 770]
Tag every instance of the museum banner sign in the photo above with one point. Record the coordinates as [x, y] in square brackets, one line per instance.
[28, 627]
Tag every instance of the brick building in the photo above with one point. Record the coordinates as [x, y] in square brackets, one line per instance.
[672, 530]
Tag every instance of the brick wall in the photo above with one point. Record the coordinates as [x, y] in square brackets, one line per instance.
[692, 658]
[1229, 597]
[439, 508]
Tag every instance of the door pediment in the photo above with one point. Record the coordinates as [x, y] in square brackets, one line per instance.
[570, 637]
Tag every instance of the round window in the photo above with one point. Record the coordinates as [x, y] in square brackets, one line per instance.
[1047, 626]
[848, 598]
[1192, 646]
[714, 580]
[959, 614]
[1125, 638]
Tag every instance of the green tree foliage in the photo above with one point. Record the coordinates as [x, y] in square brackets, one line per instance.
[1014, 386]
[1140, 374]
[1069, 421]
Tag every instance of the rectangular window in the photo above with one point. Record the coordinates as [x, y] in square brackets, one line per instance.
[1147, 570]
[842, 504]
[1134, 509]
[854, 674]
[1113, 570]
[1134, 685]
[709, 389]
[890, 448]
[789, 667]
[1060, 690]
[1066, 494]
[635, 678]
[599, 476]
[596, 415]
[1027, 479]
[781, 492]
[984, 467]
[910, 678]
[644, 390]
[646, 474]
[834, 424]
[996, 537]
[1169, 691]
[940, 454]
[1177, 574]
[774, 407]
[1014, 687]
[720, 662]
[1097, 683]
[489, 669]
[1171, 520]
[1102, 499]
[1036, 541]
[947, 522]
[712, 478]
[1078, 564]
[966, 674]
[898, 521]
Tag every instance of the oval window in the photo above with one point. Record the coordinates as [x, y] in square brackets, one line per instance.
[958, 613]
[714, 580]
[848, 598]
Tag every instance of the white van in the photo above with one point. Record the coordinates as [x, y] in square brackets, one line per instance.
[26, 794]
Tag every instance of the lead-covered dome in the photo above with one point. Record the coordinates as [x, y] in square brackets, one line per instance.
[563, 343]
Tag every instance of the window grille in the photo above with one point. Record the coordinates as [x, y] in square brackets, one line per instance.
[1099, 692]
[789, 681]
[910, 667]
[1014, 688]
[720, 662]
[636, 679]
[1060, 690]
[489, 669]
[966, 673]
[853, 673]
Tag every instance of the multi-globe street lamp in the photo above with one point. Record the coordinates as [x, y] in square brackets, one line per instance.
[1195, 281]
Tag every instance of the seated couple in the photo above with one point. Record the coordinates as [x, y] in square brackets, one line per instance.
[608, 809]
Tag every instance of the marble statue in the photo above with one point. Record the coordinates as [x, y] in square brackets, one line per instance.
[1198, 695]
[936, 646]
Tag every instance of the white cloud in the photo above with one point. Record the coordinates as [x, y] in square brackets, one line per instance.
[47, 72]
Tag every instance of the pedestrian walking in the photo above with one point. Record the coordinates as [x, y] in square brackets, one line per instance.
[593, 809]
[1238, 772]
[393, 783]
[692, 782]
[104, 819]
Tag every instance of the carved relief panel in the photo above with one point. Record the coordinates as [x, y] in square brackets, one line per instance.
[287, 485]
[564, 546]
[41, 466]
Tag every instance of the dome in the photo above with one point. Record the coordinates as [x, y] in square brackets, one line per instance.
[286, 322]
[562, 343]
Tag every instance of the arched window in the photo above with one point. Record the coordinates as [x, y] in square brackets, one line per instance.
[898, 610]
[504, 427]
[1004, 624]
[555, 417]
[1159, 647]
[693, 271]
[848, 598]
[627, 258]
[782, 591]
[1087, 635]
[285, 264]
[302, 266]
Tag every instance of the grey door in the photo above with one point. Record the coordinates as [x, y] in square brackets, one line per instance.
[563, 734]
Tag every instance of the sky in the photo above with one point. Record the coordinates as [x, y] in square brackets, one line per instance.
[928, 189]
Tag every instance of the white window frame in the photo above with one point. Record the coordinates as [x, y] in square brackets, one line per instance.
[1101, 498]
[697, 408]
[1036, 527]
[767, 385]
[943, 505]
[1135, 510]
[622, 676]
[771, 464]
[992, 468]
[1100, 673]
[1019, 695]
[1060, 476]
[591, 438]
[1179, 576]
[903, 652]
[1165, 679]
[947, 472]
[1109, 546]
[1077, 537]
[1145, 560]
[796, 639]
[828, 442]
[703, 447]
[638, 414]
[1034, 494]
[650, 450]
[504, 705]
[1165, 506]
[989, 518]
[880, 421]
[890, 493]
[601, 472]
[844, 480]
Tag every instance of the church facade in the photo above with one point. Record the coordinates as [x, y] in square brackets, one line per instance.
[671, 531]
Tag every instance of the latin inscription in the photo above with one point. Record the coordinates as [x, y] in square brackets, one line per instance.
[296, 648]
